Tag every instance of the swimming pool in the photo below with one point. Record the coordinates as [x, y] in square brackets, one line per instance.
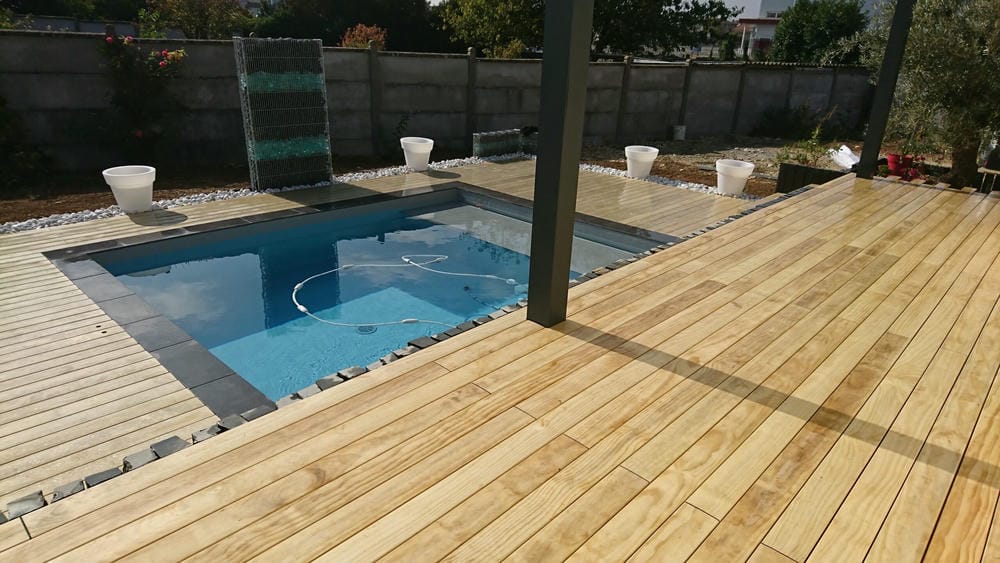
[366, 281]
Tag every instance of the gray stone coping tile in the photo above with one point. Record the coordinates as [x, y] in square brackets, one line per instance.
[138, 459]
[328, 382]
[352, 372]
[230, 395]
[101, 476]
[171, 445]
[199, 436]
[102, 287]
[403, 352]
[192, 364]
[230, 422]
[153, 237]
[67, 490]
[308, 391]
[257, 412]
[423, 342]
[156, 333]
[286, 400]
[77, 268]
[128, 309]
[24, 505]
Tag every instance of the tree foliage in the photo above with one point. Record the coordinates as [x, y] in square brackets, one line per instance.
[638, 27]
[83, 9]
[202, 19]
[498, 29]
[647, 27]
[813, 31]
[6, 18]
[948, 89]
[409, 24]
[359, 36]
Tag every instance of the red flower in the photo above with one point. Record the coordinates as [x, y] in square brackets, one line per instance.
[109, 40]
[138, 133]
[163, 63]
[164, 53]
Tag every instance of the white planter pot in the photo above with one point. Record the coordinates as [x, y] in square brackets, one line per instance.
[132, 186]
[733, 175]
[417, 151]
[640, 160]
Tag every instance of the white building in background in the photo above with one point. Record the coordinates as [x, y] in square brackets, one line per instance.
[759, 19]
[253, 6]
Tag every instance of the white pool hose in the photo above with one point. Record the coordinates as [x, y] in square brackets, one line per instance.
[410, 260]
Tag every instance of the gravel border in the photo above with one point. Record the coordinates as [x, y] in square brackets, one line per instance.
[693, 186]
[219, 195]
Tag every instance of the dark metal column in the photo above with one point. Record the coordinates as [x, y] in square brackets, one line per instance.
[892, 61]
[568, 25]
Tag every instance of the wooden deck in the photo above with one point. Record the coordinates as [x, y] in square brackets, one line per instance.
[814, 381]
[77, 393]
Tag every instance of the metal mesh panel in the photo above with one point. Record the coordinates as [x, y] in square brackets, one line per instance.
[283, 97]
[491, 143]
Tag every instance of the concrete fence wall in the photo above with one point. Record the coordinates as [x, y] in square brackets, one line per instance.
[58, 83]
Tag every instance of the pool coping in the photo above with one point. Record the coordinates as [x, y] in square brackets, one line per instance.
[216, 385]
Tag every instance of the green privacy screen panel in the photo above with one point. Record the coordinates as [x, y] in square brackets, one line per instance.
[283, 97]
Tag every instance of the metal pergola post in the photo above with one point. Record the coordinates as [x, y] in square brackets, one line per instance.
[892, 61]
[565, 59]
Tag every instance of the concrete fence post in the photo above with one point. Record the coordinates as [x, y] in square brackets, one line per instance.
[623, 99]
[833, 90]
[470, 101]
[682, 114]
[791, 86]
[739, 98]
[375, 97]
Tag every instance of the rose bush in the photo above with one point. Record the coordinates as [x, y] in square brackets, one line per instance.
[140, 93]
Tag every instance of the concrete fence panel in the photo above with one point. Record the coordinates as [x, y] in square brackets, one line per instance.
[712, 98]
[763, 89]
[58, 83]
[811, 88]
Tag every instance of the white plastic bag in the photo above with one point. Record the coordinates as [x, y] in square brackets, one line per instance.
[844, 157]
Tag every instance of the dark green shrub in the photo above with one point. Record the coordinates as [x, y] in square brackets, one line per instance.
[23, 165]
[799, 123]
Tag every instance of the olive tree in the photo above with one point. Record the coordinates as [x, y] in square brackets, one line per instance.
[948, 88]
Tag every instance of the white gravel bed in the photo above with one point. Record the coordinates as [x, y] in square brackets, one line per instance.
[89, 215]
[694, 186]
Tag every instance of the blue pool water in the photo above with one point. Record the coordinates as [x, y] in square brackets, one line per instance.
[234, 296]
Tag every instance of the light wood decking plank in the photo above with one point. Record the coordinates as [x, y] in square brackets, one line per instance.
[653, 457]
[463, 521]
[677, 538]
[785, 303]
[803, 522]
